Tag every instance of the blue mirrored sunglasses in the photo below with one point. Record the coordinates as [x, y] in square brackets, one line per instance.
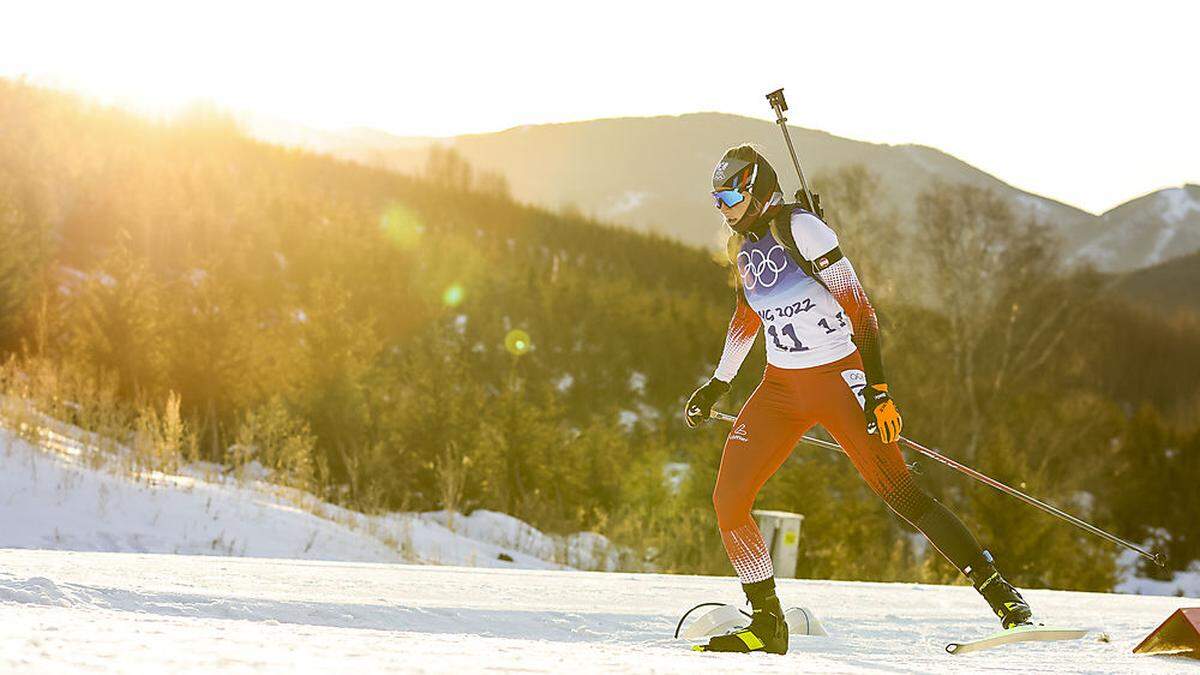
[730, 198]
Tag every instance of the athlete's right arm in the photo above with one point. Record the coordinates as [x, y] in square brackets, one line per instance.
[743, 328]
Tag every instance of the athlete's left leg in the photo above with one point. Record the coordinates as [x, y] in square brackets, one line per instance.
[762, 437]
[883, 467]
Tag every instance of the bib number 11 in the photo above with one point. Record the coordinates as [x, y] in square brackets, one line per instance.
[788, 332]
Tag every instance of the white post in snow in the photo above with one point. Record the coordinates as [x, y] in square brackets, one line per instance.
[781, 532]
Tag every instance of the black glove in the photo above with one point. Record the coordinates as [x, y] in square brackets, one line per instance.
[699, 406]
[882, 416]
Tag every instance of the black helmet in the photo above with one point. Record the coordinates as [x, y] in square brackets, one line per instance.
[742, 166]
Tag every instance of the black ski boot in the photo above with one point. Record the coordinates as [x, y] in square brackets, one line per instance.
[767, 632]
[1005, 601]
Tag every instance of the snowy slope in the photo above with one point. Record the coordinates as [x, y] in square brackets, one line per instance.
[1146, 231]
[60, 494]
[71, 611]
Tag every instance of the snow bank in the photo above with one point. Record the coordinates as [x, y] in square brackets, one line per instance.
[62, 494]
[59, 502]
[1186, 583]
[582, 550]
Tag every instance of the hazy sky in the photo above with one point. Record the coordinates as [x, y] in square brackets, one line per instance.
[1091, 103]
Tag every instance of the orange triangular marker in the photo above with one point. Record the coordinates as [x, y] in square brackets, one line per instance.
[1179, 634]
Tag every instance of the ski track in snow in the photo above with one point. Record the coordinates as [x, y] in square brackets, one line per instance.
[73, 611]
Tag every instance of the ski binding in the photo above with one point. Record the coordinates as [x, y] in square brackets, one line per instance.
[727, 618]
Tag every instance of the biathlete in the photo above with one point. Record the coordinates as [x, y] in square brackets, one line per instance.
[823, 367]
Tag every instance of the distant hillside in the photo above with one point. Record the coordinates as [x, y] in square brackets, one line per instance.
[652, 173]
[1170, 286]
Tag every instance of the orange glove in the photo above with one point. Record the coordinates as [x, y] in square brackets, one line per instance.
[882, 416]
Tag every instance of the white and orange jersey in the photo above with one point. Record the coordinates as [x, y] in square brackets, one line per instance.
[807, 321]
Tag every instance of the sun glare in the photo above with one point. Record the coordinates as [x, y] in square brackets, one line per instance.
[942, 75]
[402, 226]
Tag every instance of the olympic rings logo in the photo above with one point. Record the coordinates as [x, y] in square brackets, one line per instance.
[759, 269]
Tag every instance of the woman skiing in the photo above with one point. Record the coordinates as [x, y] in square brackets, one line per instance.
[823, 367]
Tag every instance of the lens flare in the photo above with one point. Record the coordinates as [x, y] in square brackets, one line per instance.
[402, 226]
[453, 295]
[517, 342]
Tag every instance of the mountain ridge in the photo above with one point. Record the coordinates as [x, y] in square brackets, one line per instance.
[595, 166]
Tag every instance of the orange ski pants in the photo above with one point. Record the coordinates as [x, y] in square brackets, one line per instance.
[786, 404]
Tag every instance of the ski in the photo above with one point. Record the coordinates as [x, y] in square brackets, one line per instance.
[1018, 634]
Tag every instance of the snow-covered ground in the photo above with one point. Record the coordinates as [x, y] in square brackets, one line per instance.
[74, 611]
[105, 567]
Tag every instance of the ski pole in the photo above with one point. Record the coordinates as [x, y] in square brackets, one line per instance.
[1157, 556]
[811, 440]
[779, 105]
